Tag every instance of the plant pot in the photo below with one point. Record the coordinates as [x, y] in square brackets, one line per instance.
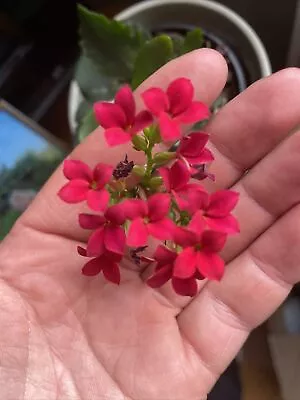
[217, 20]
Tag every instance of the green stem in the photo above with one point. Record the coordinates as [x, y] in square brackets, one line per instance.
[149, 166]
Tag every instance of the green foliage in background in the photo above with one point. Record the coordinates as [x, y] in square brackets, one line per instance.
[30, 172]
[114, 53]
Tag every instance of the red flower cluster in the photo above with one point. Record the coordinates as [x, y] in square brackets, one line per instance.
[166, 204]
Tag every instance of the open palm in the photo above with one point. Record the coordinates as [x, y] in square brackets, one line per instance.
[66, 336]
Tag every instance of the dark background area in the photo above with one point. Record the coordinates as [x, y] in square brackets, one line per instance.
[38, 49]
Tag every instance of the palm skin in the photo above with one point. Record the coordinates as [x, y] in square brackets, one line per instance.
[66, 336]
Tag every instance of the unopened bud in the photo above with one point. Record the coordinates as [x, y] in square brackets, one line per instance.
[163, 157]
[139, 143]
[155, 182]
[139, 170]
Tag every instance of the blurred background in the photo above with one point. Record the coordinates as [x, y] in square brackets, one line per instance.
[39, 55]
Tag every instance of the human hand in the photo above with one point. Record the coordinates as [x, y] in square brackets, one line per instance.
[67, 336]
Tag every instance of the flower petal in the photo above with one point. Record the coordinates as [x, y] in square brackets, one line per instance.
[196, 196]
[204, 157]
[213, 242]
[180, 93]
[116, 136]
[197, 224]
[138, 233]
[227, 224]
[109, 115]
[111, 270]
[74, 191]
[185, 264]
[124, 98]
[97, 199]
[197, 111]
[91, 221]
[193, 144]
[95, 245]
[81, 251]
[160, 277]
[163, 255]
[169, 128]
[184, 237]
[134, 208]
[210, 265]
[114, 239]
[185, 287]
[116, 214]
[155, 100]
[142, 120]
[162, 229]
[222, 203]
[75, 169]
[179, 175]
[181, 200]
[92, 268]
[166, 176]
[158, 206]
[102, 174]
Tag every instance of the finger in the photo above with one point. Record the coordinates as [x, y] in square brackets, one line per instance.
[269, 190]
[206, 69]
[253, 124]
[218, 321]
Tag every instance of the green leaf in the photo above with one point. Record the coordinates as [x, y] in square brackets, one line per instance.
[87, 125]
[111, 45]
[93, 84]
[153, 55]
[194, 40]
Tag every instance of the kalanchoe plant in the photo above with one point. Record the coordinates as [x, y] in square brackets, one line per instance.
[157, 205]
[115, 53]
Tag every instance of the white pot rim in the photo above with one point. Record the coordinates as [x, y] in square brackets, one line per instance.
[225, 11]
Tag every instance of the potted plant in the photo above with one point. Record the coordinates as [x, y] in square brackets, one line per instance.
[147, 35]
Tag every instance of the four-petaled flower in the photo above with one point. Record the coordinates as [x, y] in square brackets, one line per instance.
[192, 148]
[165, 260]
[215, 210]
[149, 218]
[200, 252]
[106, 262]
[86, 184]
[176, 180]
[174, 107]
[108, 235]
[119, 119]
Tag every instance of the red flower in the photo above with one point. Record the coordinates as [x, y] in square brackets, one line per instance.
[119, 119]
[149, 218]
[86, 184]
[176, 180]
[174, 107]
[192, 148]
[165, 259]
[107, 263]
[199, 254]
[108, 236]
[215, 210]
